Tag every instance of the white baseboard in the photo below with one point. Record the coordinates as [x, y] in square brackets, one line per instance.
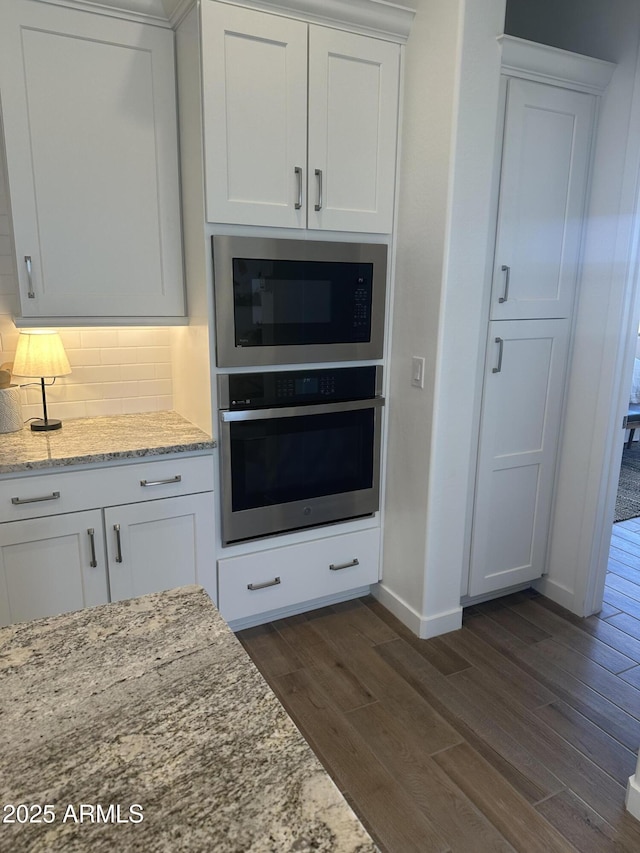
[422, 626]
[553, 590]
[632, 798]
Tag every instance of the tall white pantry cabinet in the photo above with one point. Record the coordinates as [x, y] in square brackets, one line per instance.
[550, 111]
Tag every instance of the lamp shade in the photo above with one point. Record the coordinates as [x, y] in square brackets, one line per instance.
[40, 353]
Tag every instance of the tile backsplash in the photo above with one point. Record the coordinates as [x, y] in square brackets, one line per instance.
[114, 370]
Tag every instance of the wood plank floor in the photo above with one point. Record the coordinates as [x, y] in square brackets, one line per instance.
[517, 732]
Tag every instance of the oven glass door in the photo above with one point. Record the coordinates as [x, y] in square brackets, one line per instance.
[293, 459]
[287, 472]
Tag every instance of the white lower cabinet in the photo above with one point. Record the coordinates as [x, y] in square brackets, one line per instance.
[47, 566]
[252, 584]
[159, 545]
[147, 527]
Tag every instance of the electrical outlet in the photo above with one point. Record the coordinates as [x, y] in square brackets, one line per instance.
[417, 371]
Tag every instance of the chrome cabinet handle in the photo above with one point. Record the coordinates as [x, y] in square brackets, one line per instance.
[92, 541]
[318, 174]
[298, 171]
[116, 527]
[52, 497]
[337, 567]
[507, 279]
[176, 479]
[30, 292]
[500, 343]
[264, 585]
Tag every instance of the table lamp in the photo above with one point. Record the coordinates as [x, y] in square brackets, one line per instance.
[40, 354]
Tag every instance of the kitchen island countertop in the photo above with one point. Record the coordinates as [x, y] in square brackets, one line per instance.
[86, 441]
[151, 710]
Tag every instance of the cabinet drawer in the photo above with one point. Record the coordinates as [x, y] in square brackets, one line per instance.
[71, 491]
[257, 583]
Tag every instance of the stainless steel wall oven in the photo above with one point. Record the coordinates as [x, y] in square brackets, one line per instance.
[298, 448]
[297, 301]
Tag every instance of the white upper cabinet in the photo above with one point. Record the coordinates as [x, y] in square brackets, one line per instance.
[543, 185]
[353, 119]
[255, 116]
[300, 123]
[89, 114]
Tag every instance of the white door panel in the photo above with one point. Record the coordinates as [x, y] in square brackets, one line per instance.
[545, 164]
[521, 418]
[255, 107]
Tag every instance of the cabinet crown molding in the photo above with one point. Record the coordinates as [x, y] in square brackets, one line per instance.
[374, 17]
[552, 65]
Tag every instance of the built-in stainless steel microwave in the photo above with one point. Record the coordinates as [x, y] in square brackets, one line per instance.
[297, 301]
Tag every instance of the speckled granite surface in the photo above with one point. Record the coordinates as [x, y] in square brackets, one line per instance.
[87, 440]
[154, 703]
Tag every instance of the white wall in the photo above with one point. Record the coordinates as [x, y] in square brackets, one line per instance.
[448, 135]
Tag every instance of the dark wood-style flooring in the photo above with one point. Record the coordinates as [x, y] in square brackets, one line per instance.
[518, 732]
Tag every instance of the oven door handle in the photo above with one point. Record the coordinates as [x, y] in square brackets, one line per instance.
[227, 416]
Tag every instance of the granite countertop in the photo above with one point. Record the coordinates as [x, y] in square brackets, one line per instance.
[89, 440]
[152, 710]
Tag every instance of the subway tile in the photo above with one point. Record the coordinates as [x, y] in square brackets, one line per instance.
[84, 357]
[153, 354]
[102, 408]
[137, 371]
[101, 338]
[91, 373]
[155, 386]
[163, 371]
[119, 355]
[70, 338]
[112, 390]
[140, 404]
[147, 337]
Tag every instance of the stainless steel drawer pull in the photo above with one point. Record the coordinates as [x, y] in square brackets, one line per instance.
[500, 343]
[264, 585]
[116, 527]
[176, 479]
[30, 292]
[298, 172]
[318, 206]
[92, 541]
[507, 278]
[52, 497]
[336, 567]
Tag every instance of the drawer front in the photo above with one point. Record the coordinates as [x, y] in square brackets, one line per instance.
[71, 491]
[257, 583]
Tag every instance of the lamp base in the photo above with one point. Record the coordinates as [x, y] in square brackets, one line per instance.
[43, 426]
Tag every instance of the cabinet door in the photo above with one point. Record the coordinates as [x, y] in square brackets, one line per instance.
[545, 165]
[521, 414]
[160, 545]
[255, 116]
[46, 566]
[91, 142]
[353, 118]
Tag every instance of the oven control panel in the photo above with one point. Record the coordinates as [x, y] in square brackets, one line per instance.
[297, 387]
